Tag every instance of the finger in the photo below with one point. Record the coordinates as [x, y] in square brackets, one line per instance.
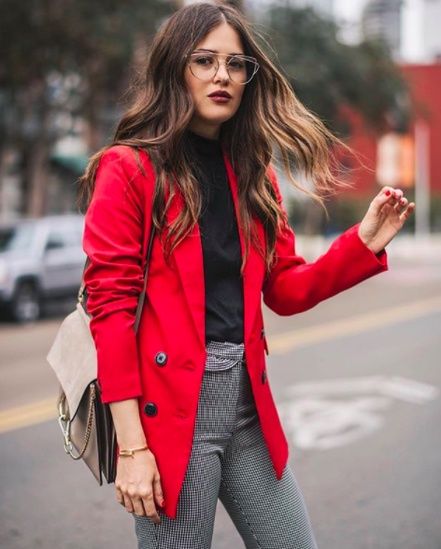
[406, 213]
[381, 199]
[157, 490]
[119, 496]
[396, 194]
[401, 204]
[138, 506]
[128, 503]
[150, 508]
[386, 193]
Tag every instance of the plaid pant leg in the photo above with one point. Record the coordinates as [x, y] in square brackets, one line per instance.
[268, 513]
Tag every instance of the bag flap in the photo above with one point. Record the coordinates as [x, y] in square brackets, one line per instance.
[72, 356]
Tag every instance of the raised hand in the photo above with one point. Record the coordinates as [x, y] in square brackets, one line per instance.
[385, 217]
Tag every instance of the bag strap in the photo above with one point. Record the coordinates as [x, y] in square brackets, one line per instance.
[141, 296]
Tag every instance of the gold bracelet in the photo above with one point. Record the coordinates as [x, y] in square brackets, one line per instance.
[131, 451]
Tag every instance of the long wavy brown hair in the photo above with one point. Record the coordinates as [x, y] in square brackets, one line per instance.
[269, 119]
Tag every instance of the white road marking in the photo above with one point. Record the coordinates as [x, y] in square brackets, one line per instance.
[314, 421]
[394, 386]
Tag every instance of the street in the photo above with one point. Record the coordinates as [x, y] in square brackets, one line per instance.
[357, 381]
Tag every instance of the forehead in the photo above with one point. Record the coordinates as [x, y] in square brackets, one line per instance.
[222, 39]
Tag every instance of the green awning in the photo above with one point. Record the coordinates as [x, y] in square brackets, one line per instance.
[76, 163]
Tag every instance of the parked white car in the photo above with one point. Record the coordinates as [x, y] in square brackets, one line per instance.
[40, 259]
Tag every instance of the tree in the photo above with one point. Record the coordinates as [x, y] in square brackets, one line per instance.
[62, 59]
[327, 74]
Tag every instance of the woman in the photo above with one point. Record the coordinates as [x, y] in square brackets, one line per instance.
[189, 394]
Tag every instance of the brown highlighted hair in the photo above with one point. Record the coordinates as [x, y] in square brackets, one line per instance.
[269, 118]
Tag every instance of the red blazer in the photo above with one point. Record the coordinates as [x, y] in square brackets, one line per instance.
[117, 226]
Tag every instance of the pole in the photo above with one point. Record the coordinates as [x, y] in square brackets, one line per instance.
[422, 184]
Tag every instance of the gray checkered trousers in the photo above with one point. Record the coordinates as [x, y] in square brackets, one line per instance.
[230, 461]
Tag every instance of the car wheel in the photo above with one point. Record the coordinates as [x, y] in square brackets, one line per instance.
[26, 306]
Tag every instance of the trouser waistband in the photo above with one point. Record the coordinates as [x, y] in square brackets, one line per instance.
[223, 354]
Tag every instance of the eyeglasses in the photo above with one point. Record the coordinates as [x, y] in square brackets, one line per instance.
[240, 68]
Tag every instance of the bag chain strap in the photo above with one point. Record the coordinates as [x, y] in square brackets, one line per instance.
[64, 421]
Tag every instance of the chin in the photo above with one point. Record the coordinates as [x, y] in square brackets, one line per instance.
[213, 119]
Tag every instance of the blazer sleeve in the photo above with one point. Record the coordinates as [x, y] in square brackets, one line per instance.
[113, 241]
[294, 285]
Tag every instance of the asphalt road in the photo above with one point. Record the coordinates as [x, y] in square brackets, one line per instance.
[357, 381]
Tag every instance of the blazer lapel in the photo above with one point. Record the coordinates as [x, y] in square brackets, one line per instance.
[254, 266]
[188, 259]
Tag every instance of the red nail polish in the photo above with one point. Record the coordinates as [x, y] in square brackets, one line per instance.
[387, 193]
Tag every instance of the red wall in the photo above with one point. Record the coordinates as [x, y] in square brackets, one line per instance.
[425, 85]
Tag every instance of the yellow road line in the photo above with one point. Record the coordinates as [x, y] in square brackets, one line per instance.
[28, 414]
[373, 320]
[44, 410]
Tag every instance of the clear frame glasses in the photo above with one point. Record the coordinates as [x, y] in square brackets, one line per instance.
[240, 68]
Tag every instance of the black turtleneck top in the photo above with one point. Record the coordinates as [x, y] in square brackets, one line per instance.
[220, 241]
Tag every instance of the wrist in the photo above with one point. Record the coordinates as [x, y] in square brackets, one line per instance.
[135, 442]
[367, 242]
[362, 237]
[130, 452]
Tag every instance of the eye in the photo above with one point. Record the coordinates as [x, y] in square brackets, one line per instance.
[203, 60]
[236, 63]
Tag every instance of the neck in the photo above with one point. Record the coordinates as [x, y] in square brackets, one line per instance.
[209, 132]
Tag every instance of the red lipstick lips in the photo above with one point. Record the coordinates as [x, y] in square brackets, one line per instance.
[220, 93]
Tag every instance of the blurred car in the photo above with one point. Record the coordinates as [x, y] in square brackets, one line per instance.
[40, 259]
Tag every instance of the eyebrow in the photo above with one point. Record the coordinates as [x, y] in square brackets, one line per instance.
[215, 51]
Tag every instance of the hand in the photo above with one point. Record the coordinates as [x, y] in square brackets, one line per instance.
[385, 217]
[137, 484]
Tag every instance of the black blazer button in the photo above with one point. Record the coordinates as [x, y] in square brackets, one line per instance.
[263, 376]
[161, 359]
[150, 409]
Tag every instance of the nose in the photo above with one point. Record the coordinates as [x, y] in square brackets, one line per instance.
[221, 73]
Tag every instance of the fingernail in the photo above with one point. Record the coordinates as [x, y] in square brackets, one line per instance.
[387, 193]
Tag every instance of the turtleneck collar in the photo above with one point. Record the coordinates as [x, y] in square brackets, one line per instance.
[203, 145]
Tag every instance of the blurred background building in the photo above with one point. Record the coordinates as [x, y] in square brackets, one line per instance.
[409, 26]
[381, 19]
